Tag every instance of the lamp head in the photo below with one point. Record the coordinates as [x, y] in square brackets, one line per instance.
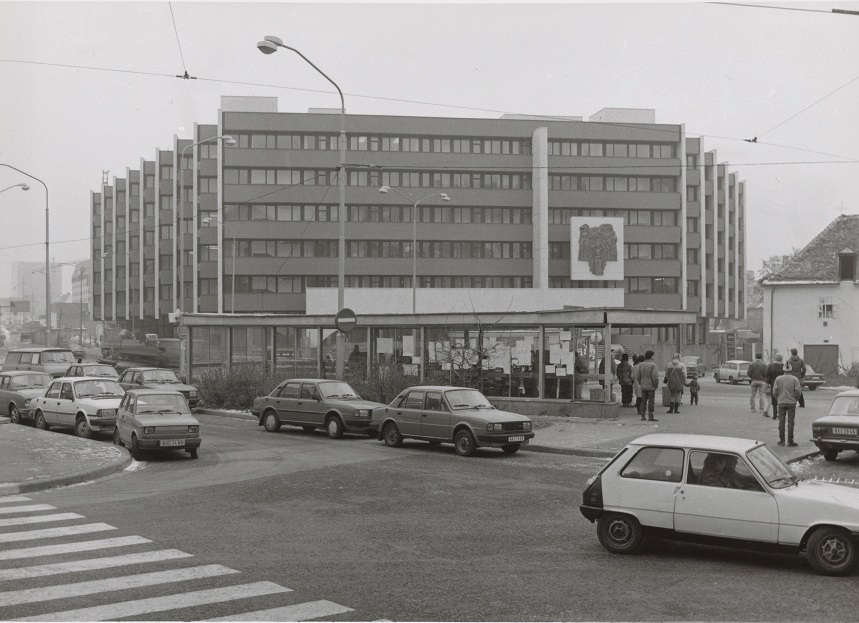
[384, 190]
[229, 141]
[444, 197]
[25, 187]
[207, 220]
[269, 45]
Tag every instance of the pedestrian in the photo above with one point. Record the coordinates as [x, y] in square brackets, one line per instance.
[580, 371]
[774, 370]
[647, 375]
[624, 377]
[788, 391]
[636, 386]
[675, 379]
[796, 366]
[758, 377]
[694, 387]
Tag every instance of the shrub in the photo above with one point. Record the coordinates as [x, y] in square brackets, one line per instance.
[235, 388]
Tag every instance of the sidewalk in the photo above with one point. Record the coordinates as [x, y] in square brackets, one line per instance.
[32, 459]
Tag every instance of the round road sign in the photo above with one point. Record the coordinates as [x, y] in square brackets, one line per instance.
[345, 320]
[182, 331]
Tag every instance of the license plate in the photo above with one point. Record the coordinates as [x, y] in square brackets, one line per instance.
[843, 431]
[516, 438]
[171, 442]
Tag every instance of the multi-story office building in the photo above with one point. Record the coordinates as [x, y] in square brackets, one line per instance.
[28, 283]
[258, 221]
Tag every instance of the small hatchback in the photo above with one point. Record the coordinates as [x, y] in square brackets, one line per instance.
[155, 419]
[721, 491]
[103, 370]
[734, 371]
[87, 405]
[839, 429]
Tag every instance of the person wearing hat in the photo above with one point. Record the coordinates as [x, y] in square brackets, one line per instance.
[774, 370]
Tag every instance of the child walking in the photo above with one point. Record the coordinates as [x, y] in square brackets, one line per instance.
[693, 389]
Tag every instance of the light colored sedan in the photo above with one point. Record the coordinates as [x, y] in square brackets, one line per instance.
[458, 415]
[839, 429]
[156, 419]
[721, 491]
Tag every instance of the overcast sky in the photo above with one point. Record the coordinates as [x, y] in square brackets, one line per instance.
[88, 87]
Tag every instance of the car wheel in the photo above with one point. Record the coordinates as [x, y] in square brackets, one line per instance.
[731, 380]
[619, 534]
[511, 448]
[82, 428]
[391, 435]
[194, 452]
[831, 551]
[830, 455]
[270, 421]
[811, 388]
[136, 452]
[464, 443]
[716, 376]
[309, 429]
[40, 423]
[116, 438]
[14, 414]
[334, 427]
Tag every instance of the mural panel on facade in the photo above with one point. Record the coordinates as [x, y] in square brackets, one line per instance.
[596, 249]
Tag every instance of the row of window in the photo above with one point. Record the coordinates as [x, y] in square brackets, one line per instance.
[561, 251]
[373, 249]
[614, 183]
[262, 284]
[376, 214]
[611, 150]
[656, 218]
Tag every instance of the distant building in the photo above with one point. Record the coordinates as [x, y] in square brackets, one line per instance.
[812, 303]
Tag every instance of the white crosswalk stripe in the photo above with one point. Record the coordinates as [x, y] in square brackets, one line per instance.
[297, 612]
[68, 548]
[20, 521]
[48, 533]
[112, 612]
[91, 563]
[6, 499]
[26, 509]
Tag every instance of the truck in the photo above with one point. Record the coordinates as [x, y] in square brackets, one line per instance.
[156, 352]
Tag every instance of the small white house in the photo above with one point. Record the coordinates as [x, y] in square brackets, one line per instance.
[812, 304]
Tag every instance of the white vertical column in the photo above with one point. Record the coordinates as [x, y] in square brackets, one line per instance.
[156, 292]
[221, 214]
[684, 241]
[739, 280]
[113, 219]
[141, 217]
[726, 253]
[128, 243]
[195, 262]
[100, 258]
[743, 232]
[540, 207]
[177, 176]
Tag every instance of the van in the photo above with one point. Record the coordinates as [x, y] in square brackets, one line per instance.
[53, 361]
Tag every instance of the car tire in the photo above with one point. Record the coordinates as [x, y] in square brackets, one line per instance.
[731, 380]
[511, 448]
[136, 452]
[334, 427]
[308, 429]
[117, 440]
[82, 428]
[831, 551]
[830, 455]
[194, 452]
[811, 388]
[716, 377]
[40, 422]
[619, 533]
[270, 421]
[391, 435]
[14, 414]
[464, 443]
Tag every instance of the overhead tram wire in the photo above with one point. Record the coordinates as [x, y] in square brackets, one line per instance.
[780, 8]
[179, 43]
[848, 83]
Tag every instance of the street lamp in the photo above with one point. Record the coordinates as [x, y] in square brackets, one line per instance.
[228, 140]
[208, 220]
[387, 189]
[47, 253]
[269, 45]
[22, 185]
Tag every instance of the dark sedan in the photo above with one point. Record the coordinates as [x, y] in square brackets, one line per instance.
[17, 389]
[158, 378]
[812, 380]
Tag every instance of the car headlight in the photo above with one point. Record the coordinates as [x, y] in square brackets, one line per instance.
[818, 430]
[361, 413]
[106, 413]
[193, 429]
[192, 393]
[149, 430]
[26, 403]
[494, 427]
[526, 425]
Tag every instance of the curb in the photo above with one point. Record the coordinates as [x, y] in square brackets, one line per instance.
[67, 479]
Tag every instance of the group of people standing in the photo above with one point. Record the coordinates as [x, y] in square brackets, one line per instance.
[641, 379]
[780, 383]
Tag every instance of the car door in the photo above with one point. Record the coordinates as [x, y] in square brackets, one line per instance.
[4, 394]
[649, 483]
[51, 402]
[309, 406]
[287, 406]
[435, 417]
[124, 417]
[66, 410]
[714, 510]
[125, 380]
[409, 413]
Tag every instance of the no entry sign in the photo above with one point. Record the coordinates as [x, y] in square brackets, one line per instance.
[345, 320]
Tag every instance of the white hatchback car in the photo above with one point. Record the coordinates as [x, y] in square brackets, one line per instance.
[85, 404]
[734, 371]
[722, 491]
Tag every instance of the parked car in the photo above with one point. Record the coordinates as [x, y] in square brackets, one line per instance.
[734, 371]
[102, 370]
[17, 390]
[670, 486]
[315, 403]
[53, 361]
[458, 415]
[694, 365]
[87, 405]
[839, 429]
[156, 419]
[158, 378]
[812, 380]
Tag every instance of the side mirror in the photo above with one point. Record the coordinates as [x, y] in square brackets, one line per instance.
[80, 359]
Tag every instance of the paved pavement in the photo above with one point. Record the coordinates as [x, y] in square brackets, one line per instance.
[32, 459]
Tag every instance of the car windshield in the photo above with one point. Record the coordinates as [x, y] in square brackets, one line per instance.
[809, 370]
[100, 371]
[160, 376]
[337, 389]
[89, 389]
[467, 399]
[162, 403]
[28, 381]
[776, 473]
[689, 360]
[845, 405]
[58, 356]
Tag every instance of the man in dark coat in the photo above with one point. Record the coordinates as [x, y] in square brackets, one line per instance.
[775, 370]
[796, 366]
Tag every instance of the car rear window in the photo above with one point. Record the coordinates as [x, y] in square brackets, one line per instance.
[845, 405]
[58, 356]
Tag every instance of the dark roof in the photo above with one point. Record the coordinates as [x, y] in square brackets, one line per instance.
[818, 260]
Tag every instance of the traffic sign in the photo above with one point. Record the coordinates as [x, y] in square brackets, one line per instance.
[345, 320]
[182, 331]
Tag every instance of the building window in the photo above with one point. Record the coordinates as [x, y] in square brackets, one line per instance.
[166, 172]
[847, 267]
[149, 181]
[825, 308]
[692, 288]
[692, 225]
[692, 256]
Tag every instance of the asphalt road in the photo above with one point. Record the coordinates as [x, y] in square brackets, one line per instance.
[360, 531]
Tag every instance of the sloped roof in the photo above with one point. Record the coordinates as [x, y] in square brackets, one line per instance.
[818, 260]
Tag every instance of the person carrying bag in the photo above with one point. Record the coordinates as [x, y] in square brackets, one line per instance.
[675, 381]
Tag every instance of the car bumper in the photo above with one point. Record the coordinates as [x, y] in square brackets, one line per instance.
[498, 441]
[102, 424]
[155, 444]
[591, 513]
[836, 443]
[361, 425]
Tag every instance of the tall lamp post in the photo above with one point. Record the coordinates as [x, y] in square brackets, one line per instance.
[228, 140]
[269, 45]
[387, 189]
[47, 253]
[206, 221]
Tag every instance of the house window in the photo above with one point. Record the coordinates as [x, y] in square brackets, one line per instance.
[825, 308]
[847, 267]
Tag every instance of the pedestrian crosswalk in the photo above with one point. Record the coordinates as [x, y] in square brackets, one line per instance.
[21, 559]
